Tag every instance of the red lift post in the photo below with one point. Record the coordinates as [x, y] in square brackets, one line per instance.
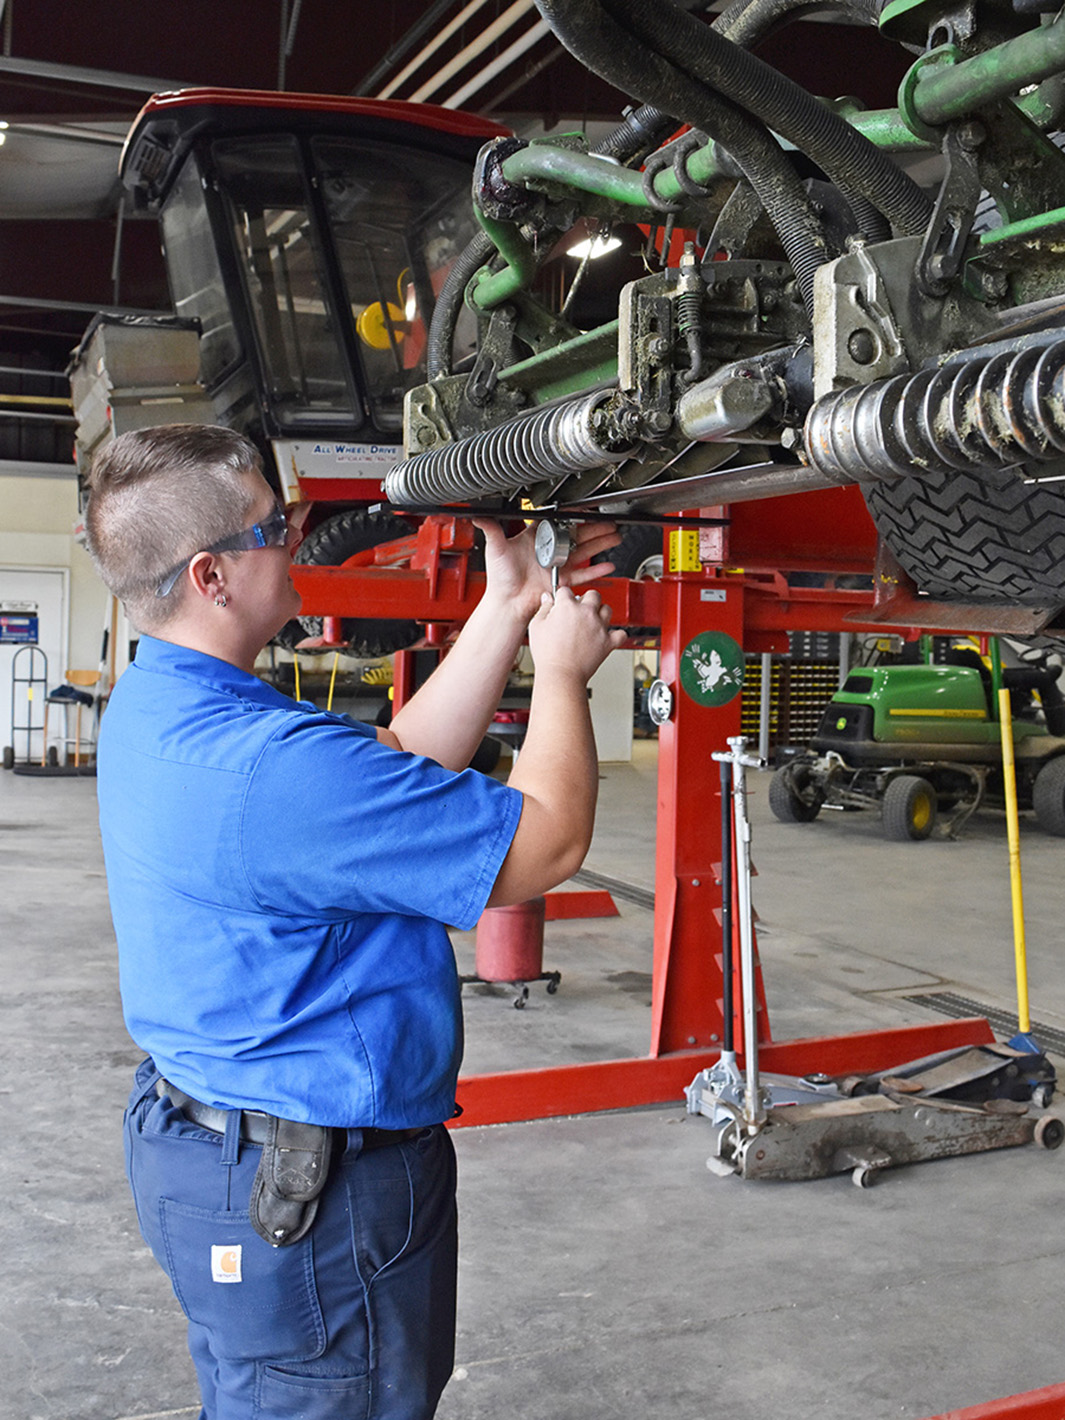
[739, 589]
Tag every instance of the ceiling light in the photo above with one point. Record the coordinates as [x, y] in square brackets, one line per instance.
[594, 247]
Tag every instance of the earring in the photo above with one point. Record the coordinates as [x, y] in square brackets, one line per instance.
[220, 601]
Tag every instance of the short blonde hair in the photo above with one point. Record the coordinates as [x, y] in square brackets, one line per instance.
[157, 497]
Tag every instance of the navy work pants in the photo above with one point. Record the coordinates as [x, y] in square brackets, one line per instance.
[354, 1322]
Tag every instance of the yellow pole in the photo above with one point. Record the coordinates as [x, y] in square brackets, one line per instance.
[1009, 774]
[332, 680]
[296, 668]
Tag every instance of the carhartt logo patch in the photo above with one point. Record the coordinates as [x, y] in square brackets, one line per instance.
[225, 1263]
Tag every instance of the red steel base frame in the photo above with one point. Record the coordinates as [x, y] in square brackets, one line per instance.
[1045, 1404]
[569, 906]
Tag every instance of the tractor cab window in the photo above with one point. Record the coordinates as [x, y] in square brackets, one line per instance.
[328, 257]
[196, 283]
[281, 261]
[398, 218]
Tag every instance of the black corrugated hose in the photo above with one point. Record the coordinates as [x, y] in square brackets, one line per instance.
[854, 163]
[592, 36]
[640, 132]
[449, 303]
[745, 22]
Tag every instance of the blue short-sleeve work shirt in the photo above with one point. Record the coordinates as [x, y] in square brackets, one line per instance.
[278, 884]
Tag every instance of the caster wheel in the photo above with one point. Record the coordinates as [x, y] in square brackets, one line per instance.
[552, 987]
[864, 1177]
[725, 1159]
[1049, 1131]
[1042, 1095]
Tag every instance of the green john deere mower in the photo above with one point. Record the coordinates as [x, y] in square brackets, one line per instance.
[923, 743]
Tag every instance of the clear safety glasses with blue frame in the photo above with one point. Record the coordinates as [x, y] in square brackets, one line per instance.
[271, 532]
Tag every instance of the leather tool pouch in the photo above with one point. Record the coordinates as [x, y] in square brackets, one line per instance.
[290, 1176]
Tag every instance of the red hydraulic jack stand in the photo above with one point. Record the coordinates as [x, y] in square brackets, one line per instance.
[827, 533]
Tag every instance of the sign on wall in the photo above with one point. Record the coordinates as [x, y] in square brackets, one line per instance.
[18, 622]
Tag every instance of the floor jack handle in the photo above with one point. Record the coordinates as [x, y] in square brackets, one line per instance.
[740, 761]
[727, 1007]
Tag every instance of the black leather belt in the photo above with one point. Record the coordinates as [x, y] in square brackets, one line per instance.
[253, 1122]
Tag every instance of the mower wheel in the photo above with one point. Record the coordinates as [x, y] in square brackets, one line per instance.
[987, 536]
[1048, 796]
[909, 808]
[794, 796]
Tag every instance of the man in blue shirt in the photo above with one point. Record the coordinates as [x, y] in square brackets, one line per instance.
[279, 880]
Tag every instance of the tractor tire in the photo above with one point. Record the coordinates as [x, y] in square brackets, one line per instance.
[1048, 797]
[333, 542]
[909, 808]
[992, 539]
[638, 554]
[793, 795]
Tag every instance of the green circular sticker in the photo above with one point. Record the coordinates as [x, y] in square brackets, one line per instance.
[711, 668]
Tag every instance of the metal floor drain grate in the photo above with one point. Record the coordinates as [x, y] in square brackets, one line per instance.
[628, 892]
[1003, 1023]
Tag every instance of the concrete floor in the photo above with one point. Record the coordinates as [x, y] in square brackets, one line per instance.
[605, 1273]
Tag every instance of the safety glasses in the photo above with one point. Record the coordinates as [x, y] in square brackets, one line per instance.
[271, 532]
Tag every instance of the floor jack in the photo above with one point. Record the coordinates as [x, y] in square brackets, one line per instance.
[780, 1127]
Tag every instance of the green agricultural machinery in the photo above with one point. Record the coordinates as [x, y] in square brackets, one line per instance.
[923, 743]
[830, 295]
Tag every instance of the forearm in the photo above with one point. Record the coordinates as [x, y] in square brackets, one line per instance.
[447, 718]
[557, 772]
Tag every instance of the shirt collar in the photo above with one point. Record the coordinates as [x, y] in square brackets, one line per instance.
[169, 658]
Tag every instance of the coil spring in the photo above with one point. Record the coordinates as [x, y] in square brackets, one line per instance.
[689, 311]
[552, 443]
[991, 411]
[689, 325]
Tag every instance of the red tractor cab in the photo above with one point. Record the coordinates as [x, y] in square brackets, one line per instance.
[306, 238]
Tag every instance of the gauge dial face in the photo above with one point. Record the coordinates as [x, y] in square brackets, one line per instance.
[553, 544]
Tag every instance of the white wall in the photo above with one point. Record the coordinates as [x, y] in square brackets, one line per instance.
[612, 705]
[38, 515]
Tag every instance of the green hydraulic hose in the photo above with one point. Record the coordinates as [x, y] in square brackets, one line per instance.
[952, 91]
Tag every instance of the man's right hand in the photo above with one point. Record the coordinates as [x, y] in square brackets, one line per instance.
[571, 634]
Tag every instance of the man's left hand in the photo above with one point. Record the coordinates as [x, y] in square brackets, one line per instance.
[514, 575]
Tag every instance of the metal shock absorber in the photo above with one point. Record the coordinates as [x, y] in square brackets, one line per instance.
[551, 443]
[991, 411]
